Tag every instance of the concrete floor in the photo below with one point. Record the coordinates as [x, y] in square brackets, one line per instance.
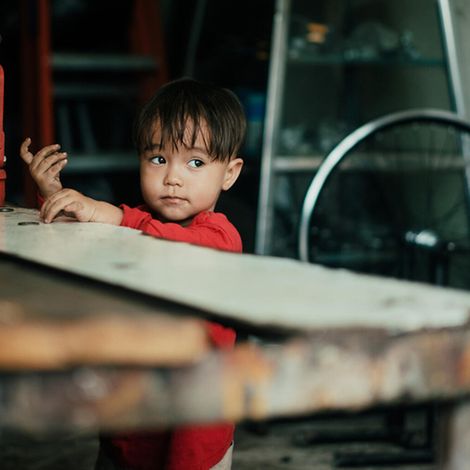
[290, 445]
[19, 451]
[275, 445]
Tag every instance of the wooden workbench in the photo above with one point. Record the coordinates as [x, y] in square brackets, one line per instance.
[103, 328]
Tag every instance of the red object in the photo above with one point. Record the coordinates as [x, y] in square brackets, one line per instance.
[36, 90]
[186, 447]
[209, 229]
[3, 174]
[147, 39]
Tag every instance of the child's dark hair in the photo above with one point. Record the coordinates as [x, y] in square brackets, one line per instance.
[201, 104]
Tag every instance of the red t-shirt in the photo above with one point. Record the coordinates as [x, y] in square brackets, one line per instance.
[210, 229]
[186, 447]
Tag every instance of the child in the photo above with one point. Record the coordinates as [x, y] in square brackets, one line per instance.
[187, 137]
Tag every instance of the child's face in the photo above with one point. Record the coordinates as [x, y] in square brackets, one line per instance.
[178, 183]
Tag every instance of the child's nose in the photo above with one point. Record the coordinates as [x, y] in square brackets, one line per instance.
[173, 176]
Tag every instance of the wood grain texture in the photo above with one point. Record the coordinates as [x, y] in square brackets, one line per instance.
[255, 290]
[51, 321]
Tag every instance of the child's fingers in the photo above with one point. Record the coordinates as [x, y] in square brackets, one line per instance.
[25, 154]
[43, 154]
[73, 208]
[49, 164]
[66, 200]
[57, 167]
[51, 202]
[52, 210]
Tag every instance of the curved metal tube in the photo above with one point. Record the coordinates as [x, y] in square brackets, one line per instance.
[340, 151]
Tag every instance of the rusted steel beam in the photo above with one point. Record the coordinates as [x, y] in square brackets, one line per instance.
[344, 371]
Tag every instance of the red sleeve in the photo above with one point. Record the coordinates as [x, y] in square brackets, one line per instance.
[208, 229]
[220, 336]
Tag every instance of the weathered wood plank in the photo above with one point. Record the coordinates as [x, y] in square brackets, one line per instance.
[256, 290]
[48, 321]
[303, 375]
[358, 340]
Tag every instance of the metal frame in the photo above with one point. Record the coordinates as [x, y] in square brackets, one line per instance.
[271, 126]
[450, 47]
[341, 151]
[273, 112]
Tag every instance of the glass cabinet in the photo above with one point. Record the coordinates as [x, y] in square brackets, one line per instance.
[335, 64]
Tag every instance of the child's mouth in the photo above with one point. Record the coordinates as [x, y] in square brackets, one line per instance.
[171, 200]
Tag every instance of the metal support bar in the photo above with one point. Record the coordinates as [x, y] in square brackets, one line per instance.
[276, 85]
[454, 435]
[455, 79]
[455, 76]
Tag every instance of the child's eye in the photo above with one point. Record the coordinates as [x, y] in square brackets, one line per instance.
[195, 163]
[158, 160]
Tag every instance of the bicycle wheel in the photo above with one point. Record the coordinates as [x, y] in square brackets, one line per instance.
[392, 199]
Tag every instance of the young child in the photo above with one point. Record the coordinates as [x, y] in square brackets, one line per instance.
[187, 136]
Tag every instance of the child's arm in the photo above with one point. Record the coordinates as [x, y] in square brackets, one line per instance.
[45, 166]
[83, 208]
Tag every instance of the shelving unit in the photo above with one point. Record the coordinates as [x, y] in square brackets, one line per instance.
[82, 89]
[335, 65]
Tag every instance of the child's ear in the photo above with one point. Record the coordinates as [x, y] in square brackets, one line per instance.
[232, 172]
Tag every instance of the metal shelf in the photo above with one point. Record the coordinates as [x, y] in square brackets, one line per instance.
[305, 58]
[292, 164]
[69, 62]
[411, 160]
[102, 162]
[307, 105]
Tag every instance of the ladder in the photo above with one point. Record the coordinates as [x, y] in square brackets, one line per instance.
[83, 89]
[273, 165]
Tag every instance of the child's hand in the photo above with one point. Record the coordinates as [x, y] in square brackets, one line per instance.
[45, 166]
[71, 203]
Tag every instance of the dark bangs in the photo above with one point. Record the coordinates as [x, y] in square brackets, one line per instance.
[186, 102]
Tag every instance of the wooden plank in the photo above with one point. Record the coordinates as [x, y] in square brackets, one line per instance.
[303, 375]
[48, 321]
[359, 341]
[265, 291]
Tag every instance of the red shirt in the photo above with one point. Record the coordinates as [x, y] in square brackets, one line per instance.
[210, 229]
[186, 447]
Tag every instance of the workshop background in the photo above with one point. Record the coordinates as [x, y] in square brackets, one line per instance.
[77, 72]
[308, 74]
